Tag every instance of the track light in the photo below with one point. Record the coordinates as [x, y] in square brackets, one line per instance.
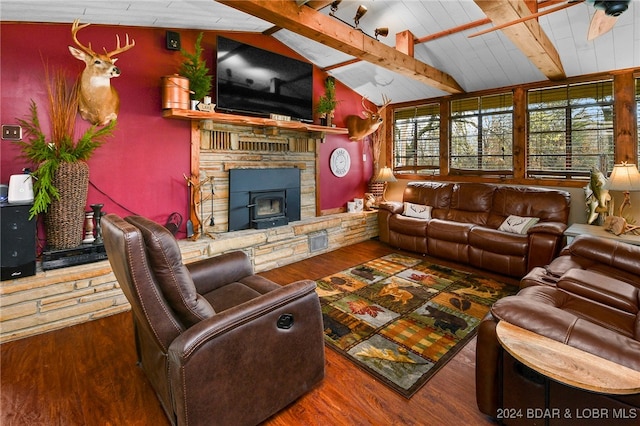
[362, 10]
[359, 14]
[382, 31]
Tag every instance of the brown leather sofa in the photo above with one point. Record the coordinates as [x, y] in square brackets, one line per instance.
[218, 344]
[465, 220]
[588, 298]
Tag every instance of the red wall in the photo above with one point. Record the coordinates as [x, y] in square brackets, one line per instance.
[140, 170]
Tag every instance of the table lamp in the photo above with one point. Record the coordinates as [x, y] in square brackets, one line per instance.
[385, 175]
[624, 177]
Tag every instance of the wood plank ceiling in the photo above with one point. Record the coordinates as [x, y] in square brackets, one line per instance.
[444, 60]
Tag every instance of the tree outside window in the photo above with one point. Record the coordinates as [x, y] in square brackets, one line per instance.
[416, 142]
[570, 130]
[481, 136]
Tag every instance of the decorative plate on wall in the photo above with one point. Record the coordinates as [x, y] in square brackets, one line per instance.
[340, 162]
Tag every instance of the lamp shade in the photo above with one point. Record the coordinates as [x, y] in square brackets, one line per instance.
[385, 175]
[624, 177]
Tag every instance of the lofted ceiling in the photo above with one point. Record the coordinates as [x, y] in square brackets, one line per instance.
[518, 55]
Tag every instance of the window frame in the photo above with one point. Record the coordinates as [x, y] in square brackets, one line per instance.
[568, 107]
[503, 105]
[431, 112]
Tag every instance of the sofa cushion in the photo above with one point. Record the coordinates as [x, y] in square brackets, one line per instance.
[594, 328]
[471, 203]
[546, 204]
[517, 224]
[601, 288]
[435, 194]
[499, 242]
[616, 254]
[172, 275]
[408, 225]
[419, 211]
[449, 231]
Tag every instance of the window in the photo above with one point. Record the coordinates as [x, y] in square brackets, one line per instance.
[482, 134]
[570, 130]
[416, 142]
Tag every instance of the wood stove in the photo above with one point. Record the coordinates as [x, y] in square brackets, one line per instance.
[268, 208]
[263, 198]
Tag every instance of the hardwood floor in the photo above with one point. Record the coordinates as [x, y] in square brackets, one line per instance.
[87, 375]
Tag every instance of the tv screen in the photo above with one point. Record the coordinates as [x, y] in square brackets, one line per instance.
[254, 81]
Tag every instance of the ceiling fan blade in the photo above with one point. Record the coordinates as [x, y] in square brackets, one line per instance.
[600, 24]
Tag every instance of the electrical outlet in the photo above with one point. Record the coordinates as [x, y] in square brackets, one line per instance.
[11, 132]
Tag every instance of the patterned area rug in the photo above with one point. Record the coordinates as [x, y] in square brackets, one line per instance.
[401, 318]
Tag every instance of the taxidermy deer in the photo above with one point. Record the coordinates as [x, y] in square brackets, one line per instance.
[98, 101]
[360, 127]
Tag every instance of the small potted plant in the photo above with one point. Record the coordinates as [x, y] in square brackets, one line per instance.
[194, 68]
[327, 103]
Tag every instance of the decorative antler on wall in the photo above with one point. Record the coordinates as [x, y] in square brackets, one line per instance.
[360, 127]
[98, 101]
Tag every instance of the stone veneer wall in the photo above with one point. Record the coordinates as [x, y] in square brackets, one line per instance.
[60, 298]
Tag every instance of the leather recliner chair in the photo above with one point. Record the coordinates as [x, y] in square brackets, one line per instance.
[220, 345]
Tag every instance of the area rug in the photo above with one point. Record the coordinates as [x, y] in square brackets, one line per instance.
[401, 319]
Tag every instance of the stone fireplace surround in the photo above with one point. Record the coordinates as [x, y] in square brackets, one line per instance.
[224, 148]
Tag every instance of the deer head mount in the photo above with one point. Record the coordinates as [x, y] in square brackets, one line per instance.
[98, 101]
[360, 127]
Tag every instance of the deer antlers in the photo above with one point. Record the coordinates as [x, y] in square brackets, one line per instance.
[76, 27]
[385, 101]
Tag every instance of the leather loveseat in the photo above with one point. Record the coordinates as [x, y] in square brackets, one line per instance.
[464, 222]
[587, 298]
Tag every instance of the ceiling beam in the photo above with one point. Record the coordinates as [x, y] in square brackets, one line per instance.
[528, 36]
[314, 4]
[326, 30]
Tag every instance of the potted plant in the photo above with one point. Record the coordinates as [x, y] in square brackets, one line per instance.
[327, 103]
[194, 68]
[61, 174]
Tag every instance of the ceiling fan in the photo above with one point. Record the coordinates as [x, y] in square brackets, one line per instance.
[603, 20]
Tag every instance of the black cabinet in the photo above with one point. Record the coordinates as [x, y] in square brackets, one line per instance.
[17, 242]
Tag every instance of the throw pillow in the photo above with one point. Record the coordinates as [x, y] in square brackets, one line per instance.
[518, 224]
[417, 210]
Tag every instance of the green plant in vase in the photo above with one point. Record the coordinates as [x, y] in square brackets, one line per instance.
[327, 103]
[195, 69]
[60, 161]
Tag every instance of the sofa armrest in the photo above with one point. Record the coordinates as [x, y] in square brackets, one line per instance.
[545, 241]
[553, 228]
[239, 345]
[217, 271]
[395, 207]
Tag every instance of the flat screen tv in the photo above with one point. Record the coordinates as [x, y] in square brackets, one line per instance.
[254, 81]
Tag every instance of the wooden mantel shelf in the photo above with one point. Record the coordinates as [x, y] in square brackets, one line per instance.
[241, 120]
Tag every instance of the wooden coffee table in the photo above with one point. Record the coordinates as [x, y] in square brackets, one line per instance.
[566, 364]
